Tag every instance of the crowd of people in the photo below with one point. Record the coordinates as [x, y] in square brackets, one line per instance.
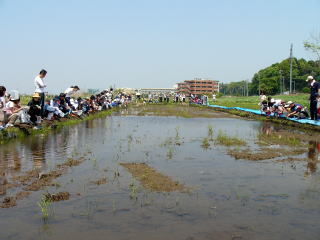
[162, 98]
[66, 104]
[278, 107]
[173, 97]
[69, 103]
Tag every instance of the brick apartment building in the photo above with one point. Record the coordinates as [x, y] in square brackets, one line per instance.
[198, 86]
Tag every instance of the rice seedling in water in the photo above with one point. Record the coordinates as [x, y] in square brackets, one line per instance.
[224, 139]
[116, 173]
[94, 164]
[114, 208]
[130, 138]
[167, 142]
[205, 143]
[146, 200]
[147, 155]
[210, 132]
[170, 153]
[133, 190]
[177, 133]
[44, 205]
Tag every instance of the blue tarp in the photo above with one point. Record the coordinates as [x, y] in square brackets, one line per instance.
[258, 112]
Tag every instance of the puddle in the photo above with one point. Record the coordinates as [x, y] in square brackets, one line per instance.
[126, 176]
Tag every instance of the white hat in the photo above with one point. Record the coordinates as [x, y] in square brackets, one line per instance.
[272, 100]
[14, 95]
[288, 104]
[309, 78]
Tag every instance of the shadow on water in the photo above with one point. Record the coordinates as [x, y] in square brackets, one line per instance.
[227, 197]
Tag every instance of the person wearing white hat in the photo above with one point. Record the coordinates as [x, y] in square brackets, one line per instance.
[13, 108]
[314, 93]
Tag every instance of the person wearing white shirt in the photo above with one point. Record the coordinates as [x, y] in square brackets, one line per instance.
[69, 93]
[40, 88]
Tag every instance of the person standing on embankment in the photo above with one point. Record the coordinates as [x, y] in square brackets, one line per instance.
[40, 88]
[314, 93]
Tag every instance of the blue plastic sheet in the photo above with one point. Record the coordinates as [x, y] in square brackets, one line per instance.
[258, 112]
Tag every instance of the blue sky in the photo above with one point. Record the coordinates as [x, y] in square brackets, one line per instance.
[150, 43]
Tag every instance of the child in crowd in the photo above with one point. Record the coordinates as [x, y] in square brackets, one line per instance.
[35, 109]
[13, 109]
[53, 109]
[63, 106]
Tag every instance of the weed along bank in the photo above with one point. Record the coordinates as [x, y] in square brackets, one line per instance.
[144, 169]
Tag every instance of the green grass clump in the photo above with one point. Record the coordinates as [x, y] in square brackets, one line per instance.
[205, 143]
[44, 205]
[224, 139]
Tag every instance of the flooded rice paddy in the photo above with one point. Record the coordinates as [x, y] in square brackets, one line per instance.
[157, 172]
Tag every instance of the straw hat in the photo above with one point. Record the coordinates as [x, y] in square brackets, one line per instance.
[36, 95]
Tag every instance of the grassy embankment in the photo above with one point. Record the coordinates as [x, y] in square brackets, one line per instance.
[18, 133]
[252, 101]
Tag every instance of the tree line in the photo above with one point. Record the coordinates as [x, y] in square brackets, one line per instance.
[275, 79]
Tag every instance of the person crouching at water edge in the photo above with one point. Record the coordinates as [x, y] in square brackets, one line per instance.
[296, 110]
[35, 109]
[69, 93]
[15, 113]
[40, 88]
[314, 94]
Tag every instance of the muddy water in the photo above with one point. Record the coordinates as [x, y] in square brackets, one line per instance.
[226, 198]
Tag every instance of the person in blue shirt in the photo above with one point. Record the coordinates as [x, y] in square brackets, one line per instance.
[297, 111]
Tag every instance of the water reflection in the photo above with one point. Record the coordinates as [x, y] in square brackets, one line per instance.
[37, 148]
[313, 156]
[313, 148]
[45, 151]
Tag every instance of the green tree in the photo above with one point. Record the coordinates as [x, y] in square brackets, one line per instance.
[314, 46]
[269, 78]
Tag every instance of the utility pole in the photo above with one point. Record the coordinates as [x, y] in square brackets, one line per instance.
[291, 68]
[247, 85]
[280, 73]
